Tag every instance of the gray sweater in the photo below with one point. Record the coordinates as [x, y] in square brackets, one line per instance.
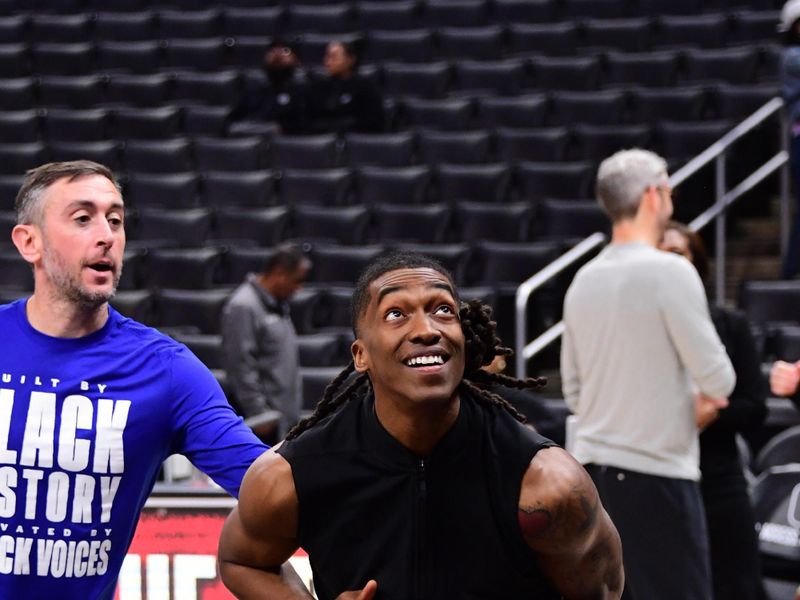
[261, 353]
[638, 344]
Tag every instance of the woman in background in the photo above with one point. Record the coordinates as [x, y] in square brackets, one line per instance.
[735, 564]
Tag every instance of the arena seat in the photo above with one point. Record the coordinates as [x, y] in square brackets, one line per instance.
[16, 93]
[205, 346]
[15, 60]
[765, 301]
[386, 15]
[628, 35]
[658, 68]
[183, 227]
[229, 154]
[202, 54]
[782, 449]
[532, 39]
[240, 259]
[18, 158]
[14, 29]
[594, 8]
[324, 187]
[190, 310]
[338, 224]
[730, 65]
[74, 124]
[52, 58]
[313, 381]
[555, 179]
[144, 56]
[454, 256]
[261, 20]
[406, 45]
[147, 123]
[137, 304]
[340, 265]
[703, 30]
[70, 92]
[15, 272]
[456, 13]
[426, 223]
[320, 350]
[476, 221]
[183, 268]
[305, 151]
[569, 219]
[688, 103]
[528, 110]
[9, 186]
[394, 149]
[490, 182]
[450, 114]
[218, 88]
[602, 107]
[124, 26]
[331, 17]
[168, 190]
[396, 185]
[462, 147]
[495, 77]
[158, 156]
[566, 72]
[189, 23]
[525, 11]
[475, 43]
[596, 142]
[19, 126]
[427, 80]
[245, 189]
[262, 226]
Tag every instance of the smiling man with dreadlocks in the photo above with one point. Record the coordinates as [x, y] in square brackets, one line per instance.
[411, 481]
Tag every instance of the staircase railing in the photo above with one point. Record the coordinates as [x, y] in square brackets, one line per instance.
[717, 152]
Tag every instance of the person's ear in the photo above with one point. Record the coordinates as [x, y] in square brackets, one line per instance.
[27, 239]
[360, 356]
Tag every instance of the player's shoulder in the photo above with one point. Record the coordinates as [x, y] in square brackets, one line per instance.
[554, 478]
[142, 338]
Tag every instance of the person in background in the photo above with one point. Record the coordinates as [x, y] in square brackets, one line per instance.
[640, 362]
[283, 97]
[789, 28]
[344, 100]
[91, 402]
[735, 565]
[260, 351]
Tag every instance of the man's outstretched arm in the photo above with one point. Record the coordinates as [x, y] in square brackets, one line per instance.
[563, 521]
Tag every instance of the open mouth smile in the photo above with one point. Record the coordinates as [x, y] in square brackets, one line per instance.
[426, 360]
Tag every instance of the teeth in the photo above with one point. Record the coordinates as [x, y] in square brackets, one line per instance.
[425, 360]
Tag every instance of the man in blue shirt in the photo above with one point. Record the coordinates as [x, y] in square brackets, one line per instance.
[91, 402]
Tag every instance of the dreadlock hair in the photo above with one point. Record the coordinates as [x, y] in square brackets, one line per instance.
[481, 345]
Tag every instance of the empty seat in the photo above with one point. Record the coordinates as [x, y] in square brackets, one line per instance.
[497, 77]
[158, 156]
[313, 381]
[415, 45]
[191, 310]
[681, 103]
[60, 28]
[206, 347]
[516, 111]
[453, 256]
[602, 107]
[168, 190]
[509, 264]
[508, 222]
[76, 124]
[321, 350]
[383, 149]
[782, 449]
[329, 187]
[553, 39]
[9, 186]
[138, 89]
[337, 224]
[14, 60]
[239, 260]
[448, 114]
[482, 183]
[678, 139]
[13, 29]
[786, 343]
[155, 123]
[669, 7]
[229, 154]
[770, 301]
[426, 223]
[62, 59]
[754, 25]
[19, 126]
[205, 120]
[189, 24]
[322, 18]
[732, 65]
[243, 189]
[628, 35]
[205, 54]
[704, 30]
[71, 92]
[15, 272]
[566, 73]
[252, 21]
[739, 101]
[340, 264]
[184, 227]
[125, 26]
[137, 57]
[540, 144]
[16, 93]
[135, 304]
[604, 9]
[525, 11]
[555, 180]
[382, 15]
[565, 219]
[105, 152]
[219, 88]
[395, 185]
[429, 80]
[182, 268]
[15, 159]
[456, 13]
[596, 142]
[454, 147]
[305, 151]
[477, 43]
[658, 68]
[265, 226]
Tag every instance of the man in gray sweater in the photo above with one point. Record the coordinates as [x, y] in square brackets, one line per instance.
[643, 370]
[259, 339]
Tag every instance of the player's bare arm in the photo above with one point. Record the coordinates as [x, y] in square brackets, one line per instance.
[260, 535]
[563, 521]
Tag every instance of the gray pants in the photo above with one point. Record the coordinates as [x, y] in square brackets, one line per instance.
[662, 525]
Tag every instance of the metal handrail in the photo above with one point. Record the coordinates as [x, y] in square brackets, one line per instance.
[715, 152]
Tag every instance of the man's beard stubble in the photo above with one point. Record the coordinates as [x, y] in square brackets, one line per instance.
[68, 286]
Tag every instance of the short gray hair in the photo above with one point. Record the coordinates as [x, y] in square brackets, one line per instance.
[28, 204]
[624, 177]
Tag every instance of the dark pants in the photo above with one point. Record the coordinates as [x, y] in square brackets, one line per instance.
[663, 529]
[791, 262]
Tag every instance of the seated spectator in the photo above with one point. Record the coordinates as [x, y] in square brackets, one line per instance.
[282, 98]
[344, 100]
[733, 541]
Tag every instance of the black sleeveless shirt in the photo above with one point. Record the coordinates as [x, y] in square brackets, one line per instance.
[434, 528]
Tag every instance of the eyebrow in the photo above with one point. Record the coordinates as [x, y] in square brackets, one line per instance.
[398, 288]
[90, 204]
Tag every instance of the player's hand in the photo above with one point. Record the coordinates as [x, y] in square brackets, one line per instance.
[784, 378]
[368, 593]
[706, 409]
